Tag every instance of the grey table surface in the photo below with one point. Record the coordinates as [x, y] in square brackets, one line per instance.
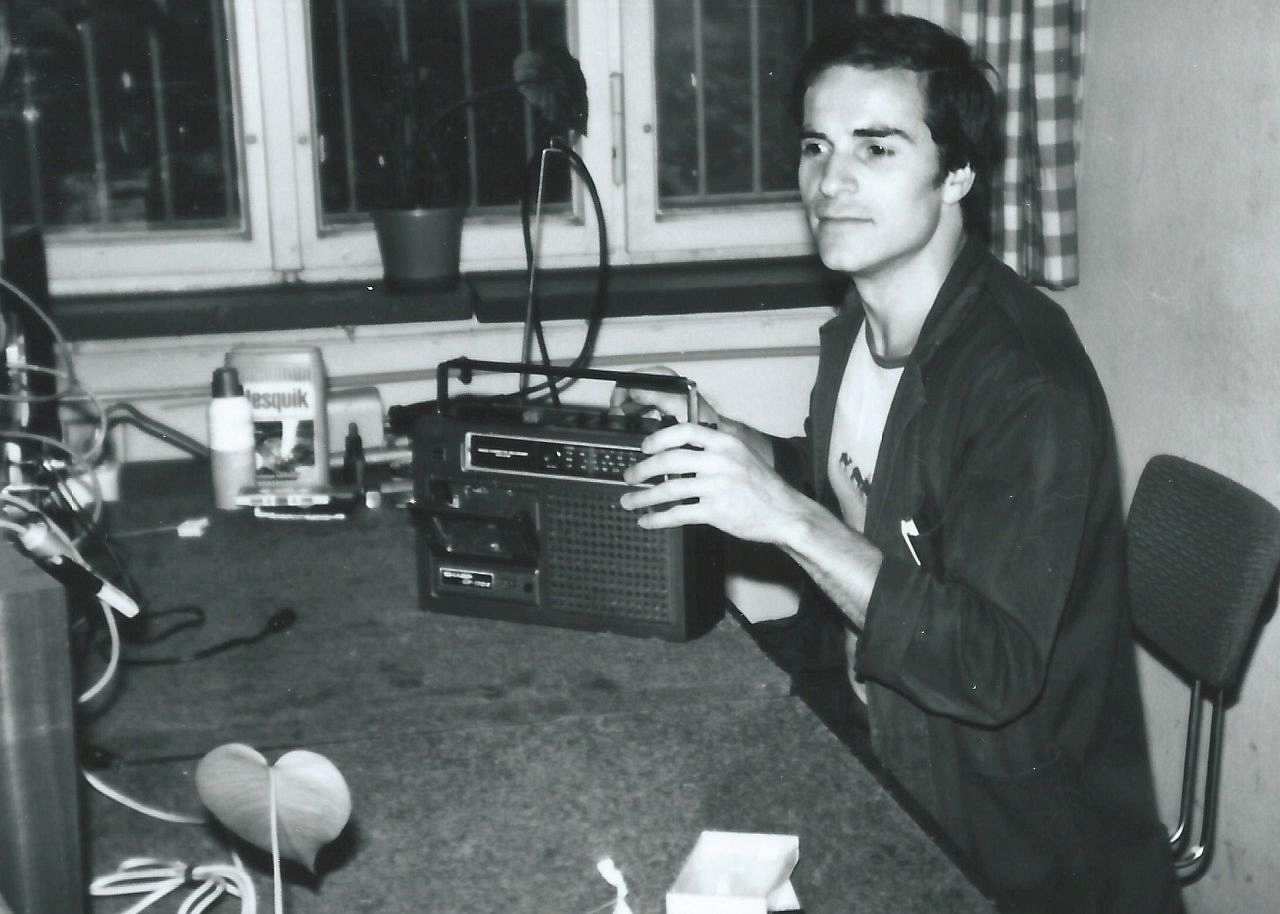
[491, 764]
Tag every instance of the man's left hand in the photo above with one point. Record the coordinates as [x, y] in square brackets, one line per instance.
[706, 476]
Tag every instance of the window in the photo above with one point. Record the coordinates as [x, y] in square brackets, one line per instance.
[366, 56]
[167, 145]
[708, 101]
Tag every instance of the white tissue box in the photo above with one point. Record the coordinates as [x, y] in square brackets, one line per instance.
[736, 873]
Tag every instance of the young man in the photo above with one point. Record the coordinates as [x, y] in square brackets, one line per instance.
[955, 500]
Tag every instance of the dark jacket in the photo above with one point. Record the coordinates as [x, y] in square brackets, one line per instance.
[1002, 688]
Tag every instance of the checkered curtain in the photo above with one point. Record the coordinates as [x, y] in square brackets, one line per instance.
[1037, 50]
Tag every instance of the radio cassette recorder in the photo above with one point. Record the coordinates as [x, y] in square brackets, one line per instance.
[518, 518]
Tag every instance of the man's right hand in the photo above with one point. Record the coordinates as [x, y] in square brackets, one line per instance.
[632, 400]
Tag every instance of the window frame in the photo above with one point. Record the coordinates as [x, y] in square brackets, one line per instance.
[85, 262]
[489, 242]
[283, 242]
[774, 229]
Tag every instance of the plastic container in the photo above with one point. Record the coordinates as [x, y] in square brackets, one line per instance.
[286, 388]
[230, 439]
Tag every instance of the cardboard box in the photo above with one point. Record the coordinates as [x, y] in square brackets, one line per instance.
[736, 873]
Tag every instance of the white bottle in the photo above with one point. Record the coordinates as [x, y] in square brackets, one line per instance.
[230, 438]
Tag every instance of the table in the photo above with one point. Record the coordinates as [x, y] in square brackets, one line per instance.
[491, 763]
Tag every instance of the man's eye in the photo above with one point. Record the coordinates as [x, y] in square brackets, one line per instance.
[876, 151]
[810, 148]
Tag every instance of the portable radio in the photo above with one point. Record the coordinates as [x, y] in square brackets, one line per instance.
[518, 517]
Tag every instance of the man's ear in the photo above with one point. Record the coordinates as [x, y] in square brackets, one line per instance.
[957, 183]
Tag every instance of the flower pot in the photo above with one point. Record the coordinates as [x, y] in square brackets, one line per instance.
[420, 247]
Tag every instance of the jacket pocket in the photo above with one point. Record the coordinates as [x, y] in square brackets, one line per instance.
[1028, 835]
[921, 534]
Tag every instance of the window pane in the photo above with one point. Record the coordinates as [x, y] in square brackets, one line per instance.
[121, 120]
[386, 73]
[724, 73]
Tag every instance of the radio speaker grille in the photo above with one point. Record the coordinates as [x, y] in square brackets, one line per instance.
[598, 562]
[525, 543]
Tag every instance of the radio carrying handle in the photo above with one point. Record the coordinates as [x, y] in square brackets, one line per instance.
[659, 383]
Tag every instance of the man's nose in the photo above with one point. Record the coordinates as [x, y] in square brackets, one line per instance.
[837, 176]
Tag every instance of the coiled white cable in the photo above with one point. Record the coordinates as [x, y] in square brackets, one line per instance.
[160, 878]
[80, 462]
[111, 793]
[64, 545]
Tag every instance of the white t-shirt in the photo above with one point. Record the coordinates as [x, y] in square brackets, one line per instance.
[862, 405]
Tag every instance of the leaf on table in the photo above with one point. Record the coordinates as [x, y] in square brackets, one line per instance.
[313, 803]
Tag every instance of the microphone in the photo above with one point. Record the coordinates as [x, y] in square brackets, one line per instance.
[81, 577]
[55, 558]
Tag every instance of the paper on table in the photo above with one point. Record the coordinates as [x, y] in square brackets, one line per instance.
[736, 873]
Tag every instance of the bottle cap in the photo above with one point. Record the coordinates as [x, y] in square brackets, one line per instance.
[226, 383]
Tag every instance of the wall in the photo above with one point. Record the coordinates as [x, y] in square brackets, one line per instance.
[168, 377]
[1180, 213]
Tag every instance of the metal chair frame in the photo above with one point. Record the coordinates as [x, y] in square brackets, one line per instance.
[1224, 531]
[1190, 863]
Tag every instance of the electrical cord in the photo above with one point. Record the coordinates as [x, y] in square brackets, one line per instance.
[279, 622]
[88, 518]
[127, 412]
[79, 462]
[533, 309]
[194, 618]
[401, 417]
[54, 551]
[601, 300]
[159, 878]
[533, 316]
[124, 800]
[44, 317]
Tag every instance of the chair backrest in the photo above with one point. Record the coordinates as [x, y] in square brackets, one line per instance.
[1203, 554]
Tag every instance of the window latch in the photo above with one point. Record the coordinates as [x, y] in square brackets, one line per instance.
[617, 124]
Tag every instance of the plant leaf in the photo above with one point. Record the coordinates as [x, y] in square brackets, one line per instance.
[313, 802]
[551, 81]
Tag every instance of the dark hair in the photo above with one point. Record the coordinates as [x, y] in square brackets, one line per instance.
[959, 102]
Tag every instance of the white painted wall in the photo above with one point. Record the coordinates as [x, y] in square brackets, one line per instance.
[757, 366]
[1180, 216]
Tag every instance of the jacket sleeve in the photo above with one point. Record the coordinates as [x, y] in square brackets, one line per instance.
[791, 459]
[969, 631]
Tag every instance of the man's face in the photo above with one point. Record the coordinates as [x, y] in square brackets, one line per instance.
[869, 172]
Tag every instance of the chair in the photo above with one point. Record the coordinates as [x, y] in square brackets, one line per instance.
[1202, 557]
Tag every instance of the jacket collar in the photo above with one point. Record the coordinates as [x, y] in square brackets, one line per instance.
[958, 293]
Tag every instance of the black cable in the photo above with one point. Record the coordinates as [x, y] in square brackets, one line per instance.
[94, 533]
[533, 175]
[127, 412]
[398, 414]
[280, 621]
[596, 315]
[601, 301]
[194, 618]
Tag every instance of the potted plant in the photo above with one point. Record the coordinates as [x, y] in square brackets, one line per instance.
[419, 220]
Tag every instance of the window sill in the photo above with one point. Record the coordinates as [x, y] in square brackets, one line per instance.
[658, 289]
